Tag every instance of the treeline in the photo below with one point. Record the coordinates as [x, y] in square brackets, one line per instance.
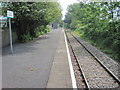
[97, 22]
[32, 18]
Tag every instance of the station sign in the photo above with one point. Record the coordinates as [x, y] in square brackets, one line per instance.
[10, 14]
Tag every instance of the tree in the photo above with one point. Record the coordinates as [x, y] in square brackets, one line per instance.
[30, 15]
[97, 22]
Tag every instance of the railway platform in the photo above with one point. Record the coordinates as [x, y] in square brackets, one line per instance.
[60, 71]
[42, 63]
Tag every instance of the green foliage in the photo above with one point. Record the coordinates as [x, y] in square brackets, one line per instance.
[61, 23]
[47, 29]
[98, 23]
[26, 37]
[41, 30]
[30, 15]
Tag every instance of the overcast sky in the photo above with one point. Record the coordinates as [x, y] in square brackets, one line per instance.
[64, 4]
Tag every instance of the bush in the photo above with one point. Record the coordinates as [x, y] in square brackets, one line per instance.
[41, 30]
[26, 37]
[30, 15]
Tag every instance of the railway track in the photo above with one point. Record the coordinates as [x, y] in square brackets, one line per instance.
[92, 71]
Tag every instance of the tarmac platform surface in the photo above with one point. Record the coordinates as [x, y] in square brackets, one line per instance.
[42, 63]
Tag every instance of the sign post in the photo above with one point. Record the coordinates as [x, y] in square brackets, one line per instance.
[10, 15]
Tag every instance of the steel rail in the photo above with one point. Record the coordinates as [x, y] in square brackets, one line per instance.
[80, 68]
[108, 70]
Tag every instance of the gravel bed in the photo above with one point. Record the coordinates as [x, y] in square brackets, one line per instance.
[107, 61]
[79, 78]
[96, 75]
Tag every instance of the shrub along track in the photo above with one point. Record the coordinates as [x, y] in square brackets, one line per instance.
[94, 74]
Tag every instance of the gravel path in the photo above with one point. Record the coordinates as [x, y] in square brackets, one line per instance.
[96, 76]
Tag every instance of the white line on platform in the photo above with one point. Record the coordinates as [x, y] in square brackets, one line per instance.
[74, 85]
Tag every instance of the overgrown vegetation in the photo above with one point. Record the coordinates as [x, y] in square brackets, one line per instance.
[32, 18]
[97, 22]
